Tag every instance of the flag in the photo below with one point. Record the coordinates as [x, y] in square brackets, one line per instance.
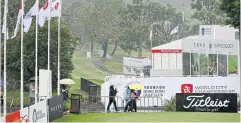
[44, 12]
[4, 26]
[175, 30]
[183, 16]
[18, 22]
[27, 21]
[151, 32]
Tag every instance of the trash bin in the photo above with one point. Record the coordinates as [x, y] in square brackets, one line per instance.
[75, 103]
[93, 91]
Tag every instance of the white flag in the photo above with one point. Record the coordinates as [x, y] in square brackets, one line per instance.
[19, 18]
[4, 30]
[27, 21]
[183, 16]
[150, 35]
[175, 30]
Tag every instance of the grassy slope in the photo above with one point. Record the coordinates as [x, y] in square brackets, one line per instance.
[84, 68]
[152, 117]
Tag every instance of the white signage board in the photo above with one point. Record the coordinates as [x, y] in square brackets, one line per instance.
[38, 112]
[88, 55]
[210, 46]
[206, 32]
[132, 65]
[45, 84]
[166, 87]
[2, 119]
[24, 115]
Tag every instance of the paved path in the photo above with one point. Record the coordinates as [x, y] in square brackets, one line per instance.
[99, 63]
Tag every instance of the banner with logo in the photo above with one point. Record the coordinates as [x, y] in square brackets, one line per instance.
[55, 107]
[13, 117]
[211, 46]
[133, 65]
[2, 119]
[24, 115]
[38, 112]
[206, 102]
[165, 87]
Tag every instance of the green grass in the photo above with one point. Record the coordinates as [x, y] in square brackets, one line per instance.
[152, 117]
[13, 97]
[84, 68]
[114, 66]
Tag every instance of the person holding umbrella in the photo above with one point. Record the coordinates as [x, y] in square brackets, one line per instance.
[134, 96]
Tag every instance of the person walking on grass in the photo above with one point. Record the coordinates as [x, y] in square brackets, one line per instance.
[112, 94]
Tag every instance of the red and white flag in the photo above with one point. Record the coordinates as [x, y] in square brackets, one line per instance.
[44, 13]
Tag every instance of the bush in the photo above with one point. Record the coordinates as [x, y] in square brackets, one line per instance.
[170, 105]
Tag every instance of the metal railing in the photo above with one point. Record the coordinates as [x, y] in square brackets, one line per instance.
[96, 104]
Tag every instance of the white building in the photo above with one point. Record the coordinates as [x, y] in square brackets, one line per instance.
[213, 52]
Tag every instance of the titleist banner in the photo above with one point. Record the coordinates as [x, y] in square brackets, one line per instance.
[206, 102]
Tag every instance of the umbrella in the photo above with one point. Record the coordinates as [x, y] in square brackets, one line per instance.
[66, 82]
[136, 86]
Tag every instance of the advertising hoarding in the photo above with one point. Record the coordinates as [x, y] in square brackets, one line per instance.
[206, 102]
[166, 87]
[38, 112]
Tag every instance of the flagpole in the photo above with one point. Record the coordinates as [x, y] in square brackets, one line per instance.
[49, 22]
[5, 58]
[0, 55]
[59, 36]
[36, 54]
[22, 55]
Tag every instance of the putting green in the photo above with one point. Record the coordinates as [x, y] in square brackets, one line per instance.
[152, 117]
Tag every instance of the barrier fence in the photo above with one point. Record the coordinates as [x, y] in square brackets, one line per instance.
[52, 108]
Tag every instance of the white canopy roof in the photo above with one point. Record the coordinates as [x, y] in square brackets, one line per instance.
[177, 44]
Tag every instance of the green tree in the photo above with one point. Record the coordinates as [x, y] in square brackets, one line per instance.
[232, 10]
[207, 11]
[68, 43]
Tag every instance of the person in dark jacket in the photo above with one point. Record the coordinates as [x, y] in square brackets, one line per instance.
[64, 92]
[112, 94]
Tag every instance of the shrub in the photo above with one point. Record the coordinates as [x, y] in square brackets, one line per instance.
[170, 105]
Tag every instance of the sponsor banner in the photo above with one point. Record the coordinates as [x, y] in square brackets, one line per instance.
[55, 107]
[206, 102]
[191, 88]
[2, 119]
[38, 112]
[133, 65]
[13, 117]
[24, 115]
[162, 88]
[211, 46]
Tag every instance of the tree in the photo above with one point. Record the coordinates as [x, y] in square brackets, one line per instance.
[232, 10]
[68, 43]
[164, 19]
[207, 11]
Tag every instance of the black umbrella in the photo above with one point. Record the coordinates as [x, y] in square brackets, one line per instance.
[32, 79]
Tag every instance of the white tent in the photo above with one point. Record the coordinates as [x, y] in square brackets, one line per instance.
[172, 58]
[177, 44]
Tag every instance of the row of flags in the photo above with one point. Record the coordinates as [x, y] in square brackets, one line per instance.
[43, 15]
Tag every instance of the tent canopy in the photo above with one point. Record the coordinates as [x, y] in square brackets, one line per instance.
[177, 44]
